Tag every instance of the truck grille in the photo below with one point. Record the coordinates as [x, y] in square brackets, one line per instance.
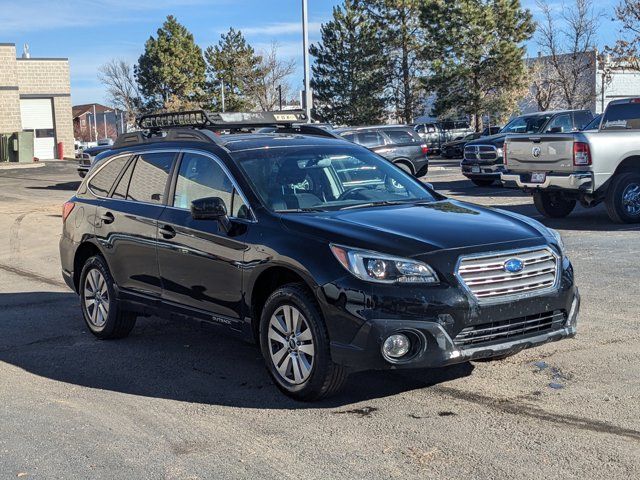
[488, 278]
[510, 329]
[480, 152]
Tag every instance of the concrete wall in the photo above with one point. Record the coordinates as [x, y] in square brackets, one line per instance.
[9, 93]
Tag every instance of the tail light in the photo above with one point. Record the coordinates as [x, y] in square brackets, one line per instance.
[581, 154]
[504, 154]
[425, 149]
[66, 210]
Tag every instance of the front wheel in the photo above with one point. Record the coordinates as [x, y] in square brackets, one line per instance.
[553, 204]
[295, 345]
[101, 310]
[623, 198]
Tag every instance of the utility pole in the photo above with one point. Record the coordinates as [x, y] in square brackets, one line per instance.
[222, 89]
[95, 122]
[104, 120]
[305, 47]
[280, 95]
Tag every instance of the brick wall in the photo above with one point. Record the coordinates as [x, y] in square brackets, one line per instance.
[9, 96]
[63, 121]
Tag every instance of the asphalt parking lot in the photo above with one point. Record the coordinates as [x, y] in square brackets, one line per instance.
[174, 401]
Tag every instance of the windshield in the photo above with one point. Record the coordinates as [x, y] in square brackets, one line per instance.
[327, 178]
[531, 124]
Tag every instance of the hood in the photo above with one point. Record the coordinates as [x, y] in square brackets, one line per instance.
[412, 229]
[456, 142]
[497, 140]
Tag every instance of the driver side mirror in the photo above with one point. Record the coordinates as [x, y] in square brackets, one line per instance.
[211, 208]
[555, 130]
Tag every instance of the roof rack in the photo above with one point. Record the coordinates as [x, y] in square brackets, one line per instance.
[220, 121]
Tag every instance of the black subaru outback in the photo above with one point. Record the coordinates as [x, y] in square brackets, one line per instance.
[330, 257]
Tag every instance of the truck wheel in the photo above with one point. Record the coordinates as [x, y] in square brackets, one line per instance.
[483, 182]
[101, 310]
[553, 204]
[295, 345]
[623, 198]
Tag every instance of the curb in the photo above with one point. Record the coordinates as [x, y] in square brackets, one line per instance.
[19, 166]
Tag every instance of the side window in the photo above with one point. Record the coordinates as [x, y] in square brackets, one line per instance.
[149, 178]
[420, 128]
[349, 136]
[563, 122]
[370, 139]
[101, 182]
[400, 136]
[201, 177]
[123, 185]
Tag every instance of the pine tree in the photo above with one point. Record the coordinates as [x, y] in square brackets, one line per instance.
[399, 24]
[234, 64]
[171, 71]
[476, 54]
[348, 76]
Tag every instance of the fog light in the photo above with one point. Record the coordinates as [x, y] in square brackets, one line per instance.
[396, 345]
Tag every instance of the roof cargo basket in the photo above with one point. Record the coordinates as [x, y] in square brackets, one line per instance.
[220, 121]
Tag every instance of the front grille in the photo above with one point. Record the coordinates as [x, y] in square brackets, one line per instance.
[507, 330]
[488, 280]
[480, 152]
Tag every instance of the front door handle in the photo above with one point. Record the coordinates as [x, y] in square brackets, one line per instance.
[107, 217]
[167, 231]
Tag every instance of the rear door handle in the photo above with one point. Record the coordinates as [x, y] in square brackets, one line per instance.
[107, 217]
[167, 231]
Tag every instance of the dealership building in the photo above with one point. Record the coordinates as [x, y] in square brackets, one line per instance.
[35, 96]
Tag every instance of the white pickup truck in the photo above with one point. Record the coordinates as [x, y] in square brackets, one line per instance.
[589, 167]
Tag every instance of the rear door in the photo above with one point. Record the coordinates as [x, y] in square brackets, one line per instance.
[201, 263]
[127, 222]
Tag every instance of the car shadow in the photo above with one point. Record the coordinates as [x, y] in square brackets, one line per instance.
[71, 186]
[468, 188]
[43, 333]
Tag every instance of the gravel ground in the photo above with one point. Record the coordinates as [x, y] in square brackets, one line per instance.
[174, 401]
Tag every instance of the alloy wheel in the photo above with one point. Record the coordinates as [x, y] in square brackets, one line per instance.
[96, 298]
[631, 199]
[291, 345]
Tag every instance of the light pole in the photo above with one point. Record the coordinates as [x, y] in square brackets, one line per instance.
[222, 90]
[305, 46]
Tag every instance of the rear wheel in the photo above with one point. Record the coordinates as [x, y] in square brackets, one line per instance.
[295, 345]
[553, 204]
[483, 182]
[101, 310]
[623, 198]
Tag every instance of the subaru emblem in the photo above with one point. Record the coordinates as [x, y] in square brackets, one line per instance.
[513, 265]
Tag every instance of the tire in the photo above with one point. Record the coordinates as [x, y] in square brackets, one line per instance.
[483, 182]
[553, 204]
[318, 376]
[623, 198]
[97, 285]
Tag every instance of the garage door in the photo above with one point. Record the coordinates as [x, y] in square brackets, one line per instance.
[37, 116]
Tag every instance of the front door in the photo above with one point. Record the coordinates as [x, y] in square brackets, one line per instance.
[201, 263]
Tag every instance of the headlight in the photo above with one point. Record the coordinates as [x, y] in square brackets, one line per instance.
[557, 237]
[381, 268]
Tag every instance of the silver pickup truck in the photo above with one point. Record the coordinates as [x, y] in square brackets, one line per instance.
[589, 167]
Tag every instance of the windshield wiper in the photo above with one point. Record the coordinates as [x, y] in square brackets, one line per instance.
[296, 210]
[380, 203]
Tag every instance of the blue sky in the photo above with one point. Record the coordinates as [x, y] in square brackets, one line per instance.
[91, 32]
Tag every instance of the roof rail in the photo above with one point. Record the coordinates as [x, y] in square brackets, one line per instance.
[220, 121]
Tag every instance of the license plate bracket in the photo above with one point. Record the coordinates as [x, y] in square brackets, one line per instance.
[475, 169]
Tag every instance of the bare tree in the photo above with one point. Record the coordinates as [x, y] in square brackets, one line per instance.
[569, 47]
[272, 80]
[544, 91]
[122, 88]
[628, 47]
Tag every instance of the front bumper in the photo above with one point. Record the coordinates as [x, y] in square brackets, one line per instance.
[579, 181]
[480, 170]
[438, 348]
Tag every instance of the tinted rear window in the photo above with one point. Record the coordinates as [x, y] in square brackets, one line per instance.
[150, 176]
[623, 116]
[101, 182]
[370, 139]
[400, 136]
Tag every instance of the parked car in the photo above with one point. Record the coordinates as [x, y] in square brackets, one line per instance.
[435, 134]
[320, 250]
[598, 164]
[87, 157]
[455, 148]
[482, 162]
[397, 143]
